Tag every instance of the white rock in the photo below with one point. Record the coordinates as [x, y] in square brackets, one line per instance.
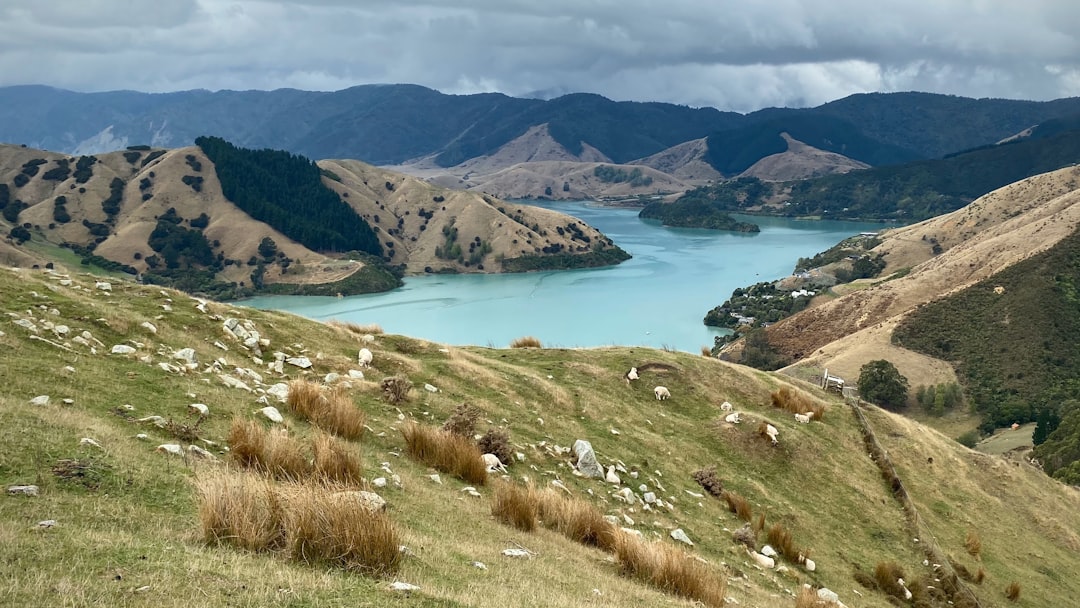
[23, 490]
[103, 286]
[356, 374]
[649, 498]
[520, 456]
[479, 565]
[67, 401]
[611, 477]
[231, 382]
[636, 533]
[148, 326]
[26, 325]
[220, 345]
[187, 355]
[379, 482]
[272, 414]
[429, 388]
[170, 448]
[586, 462]
[516, 553]
[403, 587]
[40, 400]
[61, 330]
[367, 338]
[331, 378]
[681, 536]
[435, 477]
[198, 452]
[369, 500]
[88, 442]
[828, 595]
[199, 408]
[301, 362]
[768, 551]
[156, 420]
[142, 437]
[122, 349]
[279, 390]
[47, 523]
[168, 368]
[694, 494]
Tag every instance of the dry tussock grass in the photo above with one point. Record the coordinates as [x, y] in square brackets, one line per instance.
[1012, 592]
[332, 410]
[336, 461]
[526, 342]
[242, 510]
[325, 529]
[797, 402]
[706, 352]
[445, 452]
[738, 505]
[515, 506]
[356, 329]
[781, 539]
[973, 544]
[670, 569]
[575, 519]
[886, 575]
[268, 451]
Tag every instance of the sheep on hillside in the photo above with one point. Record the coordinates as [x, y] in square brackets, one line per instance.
[772, 433]
[492, 462]
[364, 358]
[763, 561]
[733, 418]
[804, 418]
[661, 393]
[630, 375]
[726, 406]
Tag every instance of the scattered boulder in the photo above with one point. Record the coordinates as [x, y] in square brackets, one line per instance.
[681, 536]
[828, 595]
[379, 482]
[148, 326]
[231, 382]
[279, 390]
[199, 408]
[272, 414]
[88, 442]
[40, 400]
[172, 449]
[122, 349]
[198, 452]
[587, 464]
[26, 325]
[768, 551]
[46, 524]
[23, 490]
[429, 388]
[517, 553]
[103, 286]
[331, 378]
[356, 374]
[301, 362]
[403, 587]
[612, 477]
[369, 500]
[187, 355]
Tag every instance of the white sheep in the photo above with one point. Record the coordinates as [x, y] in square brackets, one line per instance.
[492, 462]
[763, 561]
[803, 418]
[733, 418]
[630, 375]
[772, 432]
[661, 393]
[726, 406]
[364, 358]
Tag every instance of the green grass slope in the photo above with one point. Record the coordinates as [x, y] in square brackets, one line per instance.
[127, 534]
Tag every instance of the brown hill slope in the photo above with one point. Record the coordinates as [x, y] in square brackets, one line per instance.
[973, 243]
[801, 161]
[685, 161]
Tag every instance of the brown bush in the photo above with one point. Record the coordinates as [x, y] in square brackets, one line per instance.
[709, 481]
[395, 389]
[463, 420]
[268, 451]
[706, 352]
[746, 535]
[497, 442]
[242, 510]
[324, 528]
[670, 569]
[515, 506]
[973, 544]
[335, 461]
[780, 538]
[886, 575]
[737, 505]
[445, 452]
[526, 342]
[980, 575]
[575, 519]
[1012, 592]
[808, 598]
[797, 402]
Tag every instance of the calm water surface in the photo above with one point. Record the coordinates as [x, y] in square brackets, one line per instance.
[656, 299]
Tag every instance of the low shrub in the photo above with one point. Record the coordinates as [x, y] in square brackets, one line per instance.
[515, 506]
[395, 389]
[887, 575]
[463, 420]
[669, 569]
[497, 441]
[446, 452]
[709, 481]
[973, 544]
[526, 342]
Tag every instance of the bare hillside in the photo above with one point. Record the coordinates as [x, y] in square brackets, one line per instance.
[685, 161]
[939, 256]
[801, 161]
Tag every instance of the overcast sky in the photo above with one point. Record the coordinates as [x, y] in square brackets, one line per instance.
[733, 55]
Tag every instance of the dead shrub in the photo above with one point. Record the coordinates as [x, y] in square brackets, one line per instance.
[737, 505]
[463, 420]
[268, 451]
[188, 433]
[781, 539]
[706, 352]
[242, 510]
[887, 575]
[515, 506]
[445, 452]
[670, 569]
[746, 535]
[325, 529]
[575, 519]
[497, 442]
[526, 342]
[709, 481]
[808, 598]
[973, 544]
[335, 461]
[1012, 592]
[395, 389]
[797, 402]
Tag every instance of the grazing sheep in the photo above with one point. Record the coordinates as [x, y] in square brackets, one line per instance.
[492, 462]
[661, 393]
[803, 418]
[763, 561]
[772, 432]
[726, 406]
[733, 418]
[364, 358]
[630, 375]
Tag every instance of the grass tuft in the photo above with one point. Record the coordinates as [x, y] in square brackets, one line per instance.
[335, 461]
[670, 569]
[575, 519]
[973, 544]
[798, 402]
[808, 598]
[515, 506]
[526, 342]
[705, 352]
[781, 539]
[356, 328]
[1012, 592]
[332, 411]
[738, 505]
[335, 530]
[887, 575]
[445, 452]
[241, 510]
[305, 398]
[267, 451]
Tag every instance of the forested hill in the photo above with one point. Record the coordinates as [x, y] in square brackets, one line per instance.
[390, 124]
[908, 192]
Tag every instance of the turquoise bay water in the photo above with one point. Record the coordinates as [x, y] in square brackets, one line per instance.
[656, 299]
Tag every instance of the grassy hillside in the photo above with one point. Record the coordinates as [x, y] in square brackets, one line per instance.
[127, 532]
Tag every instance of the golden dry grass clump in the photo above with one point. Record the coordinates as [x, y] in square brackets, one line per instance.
[268, 451]
[887, 576]
[240, 509]
[336, 461]
[670, 569]
[973, 544]
[526, 342]
[515, 506]
[1012, 592]
[332, 410]
[446, 452]
[797, 402]
[575, 519]
[737, 505]
[781, 539]
[356, 328]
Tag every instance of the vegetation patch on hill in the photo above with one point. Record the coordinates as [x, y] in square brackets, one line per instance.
[606, 255]
[695, 212]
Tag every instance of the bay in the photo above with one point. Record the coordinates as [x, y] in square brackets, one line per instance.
[657, 299]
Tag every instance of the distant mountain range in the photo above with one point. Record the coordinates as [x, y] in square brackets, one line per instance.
[396, 124]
